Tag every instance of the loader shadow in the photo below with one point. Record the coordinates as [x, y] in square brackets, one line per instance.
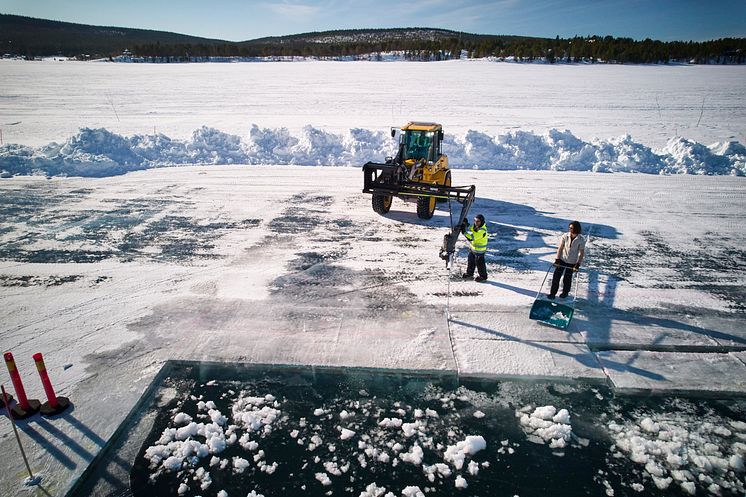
[407, 215]
[520, 236]
[524, 238]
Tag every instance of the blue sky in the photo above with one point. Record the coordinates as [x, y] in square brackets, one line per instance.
[237, 20]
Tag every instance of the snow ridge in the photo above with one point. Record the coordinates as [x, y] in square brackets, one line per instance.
[100, 152]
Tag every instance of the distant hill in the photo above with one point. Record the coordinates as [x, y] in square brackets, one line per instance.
[373, 36]
[29, 37]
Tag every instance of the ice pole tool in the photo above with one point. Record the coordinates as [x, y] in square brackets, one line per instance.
[31, 480]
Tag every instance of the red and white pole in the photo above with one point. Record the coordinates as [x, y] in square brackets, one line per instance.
[53, 405]
[25, 407]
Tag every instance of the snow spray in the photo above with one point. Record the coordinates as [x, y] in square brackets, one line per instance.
[25, 407]
[53, 405]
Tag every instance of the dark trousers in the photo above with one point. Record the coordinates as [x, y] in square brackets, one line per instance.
[478, 261]
[565, 268]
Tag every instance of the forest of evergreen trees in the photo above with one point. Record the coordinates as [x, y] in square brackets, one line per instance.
[29, 37]
[579, 49]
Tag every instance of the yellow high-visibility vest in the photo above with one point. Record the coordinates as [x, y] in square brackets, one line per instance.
[477, 239]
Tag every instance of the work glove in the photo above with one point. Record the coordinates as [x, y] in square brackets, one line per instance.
[464, 226]
[557, 262]
[576, 267]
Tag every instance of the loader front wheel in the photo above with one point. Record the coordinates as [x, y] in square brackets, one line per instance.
[425, 207]
[382, 203]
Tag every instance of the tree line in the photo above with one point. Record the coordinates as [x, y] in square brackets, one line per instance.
[30, 37]
[577, 49]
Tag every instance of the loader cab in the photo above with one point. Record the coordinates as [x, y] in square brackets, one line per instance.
[420, 141]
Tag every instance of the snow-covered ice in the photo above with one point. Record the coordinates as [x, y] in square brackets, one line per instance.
[125, 272]
[102, 119]
[110, 276]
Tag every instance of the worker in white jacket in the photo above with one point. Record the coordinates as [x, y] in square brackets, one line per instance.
[568, 259]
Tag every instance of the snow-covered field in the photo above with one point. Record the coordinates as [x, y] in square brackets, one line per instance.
[651, 119]
[109, 277]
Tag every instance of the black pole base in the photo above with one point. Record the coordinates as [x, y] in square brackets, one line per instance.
[21, 413]
[62, 404]
[2, 402]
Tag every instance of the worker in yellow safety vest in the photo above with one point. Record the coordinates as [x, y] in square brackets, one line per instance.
[477, 236]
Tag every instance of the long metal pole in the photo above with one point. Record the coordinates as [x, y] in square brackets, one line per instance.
[15, 430]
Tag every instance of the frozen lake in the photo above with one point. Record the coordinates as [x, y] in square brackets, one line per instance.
[51, 100]
[110, 277]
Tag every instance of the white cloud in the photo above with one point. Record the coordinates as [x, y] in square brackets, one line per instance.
[293, 10]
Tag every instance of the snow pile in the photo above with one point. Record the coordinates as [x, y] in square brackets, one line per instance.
[256, 413]
[546, 425]
[185, 446]
[680, 449]
[187, 443]
[686, 156]
[99, 152]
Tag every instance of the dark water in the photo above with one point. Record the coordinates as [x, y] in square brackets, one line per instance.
[602, 456]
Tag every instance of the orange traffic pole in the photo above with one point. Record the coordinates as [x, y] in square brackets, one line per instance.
[53, 405]
[25, 407]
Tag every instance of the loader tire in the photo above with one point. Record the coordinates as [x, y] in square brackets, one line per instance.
[425, 207]
[382, 203]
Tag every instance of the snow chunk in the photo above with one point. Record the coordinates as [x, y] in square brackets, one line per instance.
[455, 454]
[373, 490]
[547, 425]
[182, 418]
[414, 456]
[324, 479]
[412, 491]
[173, 463]
[390, 423]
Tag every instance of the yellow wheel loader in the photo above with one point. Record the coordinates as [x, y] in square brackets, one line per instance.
[418, 173]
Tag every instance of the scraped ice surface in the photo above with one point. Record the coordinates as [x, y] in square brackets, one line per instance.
[101, 152]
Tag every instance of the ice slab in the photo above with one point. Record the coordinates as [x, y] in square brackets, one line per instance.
[504, 342]
[506, 323]
[537, 360]
[716, 374]
[666, 331]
